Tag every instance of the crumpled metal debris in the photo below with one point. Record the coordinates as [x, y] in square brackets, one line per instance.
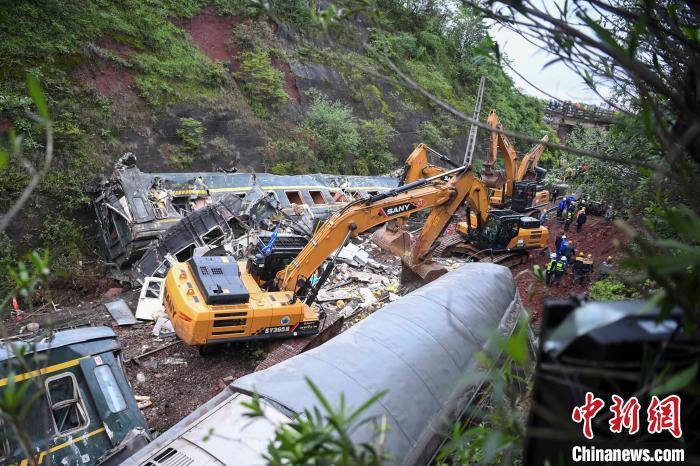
[134, 209]
[120, 312]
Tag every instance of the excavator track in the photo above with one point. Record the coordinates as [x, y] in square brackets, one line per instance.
[454, 245]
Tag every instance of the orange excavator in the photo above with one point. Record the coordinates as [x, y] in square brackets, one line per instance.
[497, 235]
[215, 299]
[509, 188]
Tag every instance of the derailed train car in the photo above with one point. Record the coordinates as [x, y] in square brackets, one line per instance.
[134, 208]
[418, 348]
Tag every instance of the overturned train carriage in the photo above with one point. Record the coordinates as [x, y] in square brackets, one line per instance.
[133, 208]
[418, 348]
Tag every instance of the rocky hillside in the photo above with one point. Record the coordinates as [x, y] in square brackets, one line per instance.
[195, 85]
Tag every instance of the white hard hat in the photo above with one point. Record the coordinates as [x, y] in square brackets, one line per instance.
[563, 258]
[552, 256]
[563, 236]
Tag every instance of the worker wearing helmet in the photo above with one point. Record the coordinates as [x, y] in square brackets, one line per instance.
[606, 268]
[549, 270]
[562, 244]
[560, 270]
[578, 268]
[569, 217]
[581, 218]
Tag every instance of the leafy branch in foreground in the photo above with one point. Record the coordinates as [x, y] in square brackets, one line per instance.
[493, 431]
[323, 436]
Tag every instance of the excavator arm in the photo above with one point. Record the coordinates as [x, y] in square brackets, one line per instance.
[442, 197]
[530, 161]
[418, 165]
[499, 142]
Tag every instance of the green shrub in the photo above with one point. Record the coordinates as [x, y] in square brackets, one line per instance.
[290, 156]
[260, 80]
[429, 133]
[432, 79]
[335, 131]
[374, 151]
[8, 257]
[191, 133]
[63, 238]
[610, 290]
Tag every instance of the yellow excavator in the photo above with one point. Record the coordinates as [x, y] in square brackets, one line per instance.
[509, 187]
[504, 235]
[215, 299]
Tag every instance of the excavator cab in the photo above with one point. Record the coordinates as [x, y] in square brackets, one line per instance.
[523, 195]
[528, 195]
[263, 266]
[506, 230]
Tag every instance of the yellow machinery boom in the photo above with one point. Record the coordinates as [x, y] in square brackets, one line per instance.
[531, 160]
[442, 197]
[216, 300]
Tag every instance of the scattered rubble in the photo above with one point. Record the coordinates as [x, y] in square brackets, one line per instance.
[135, 209]
[150, 306]
[121, 312]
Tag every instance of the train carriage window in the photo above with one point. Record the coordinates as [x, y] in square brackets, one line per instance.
[338, 196]
[294, 197]
[213, 235]
[110, 389]
[185, 253]
[317, 197]
[67, 409]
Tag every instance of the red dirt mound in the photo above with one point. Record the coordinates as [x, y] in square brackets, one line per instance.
[123, 50]
[212, 34]
[105, 78]
[290, 84]
[595, 238]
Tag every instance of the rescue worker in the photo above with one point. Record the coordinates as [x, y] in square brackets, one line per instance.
[587, 267]
[549, 270]
[564, 243]
[557, 242]
[581, 219]
[569, 251]
[606, 268]
[560, 208]
[609, 215]
[559, 270]
[569, 218]
[577, 268]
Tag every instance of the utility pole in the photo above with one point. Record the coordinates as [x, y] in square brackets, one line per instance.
[471, 141]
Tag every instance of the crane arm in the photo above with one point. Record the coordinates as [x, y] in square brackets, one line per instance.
[530, 161]
[443, 197]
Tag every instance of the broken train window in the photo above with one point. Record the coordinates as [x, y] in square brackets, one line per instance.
[110, 388]
[317, 197]
[294, 197]
[153, 289]
[67, 408]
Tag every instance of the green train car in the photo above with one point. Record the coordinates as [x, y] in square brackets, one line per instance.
[81, 410]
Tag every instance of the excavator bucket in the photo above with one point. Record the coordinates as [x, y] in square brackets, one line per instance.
[493, 179]
[395, 241]
[427, 270]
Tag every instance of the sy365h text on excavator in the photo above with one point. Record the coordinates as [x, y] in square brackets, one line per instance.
[215, 299]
